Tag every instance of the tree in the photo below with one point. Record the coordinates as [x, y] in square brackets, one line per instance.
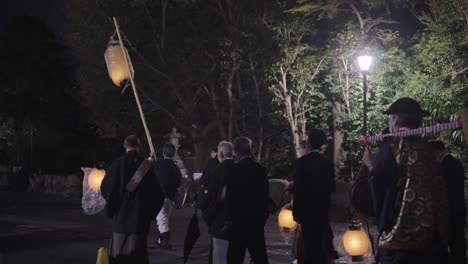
[38, 83]
[294, 75]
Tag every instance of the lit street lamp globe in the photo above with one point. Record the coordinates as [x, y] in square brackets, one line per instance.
[364, 62]
[95, 178]
[355, 241]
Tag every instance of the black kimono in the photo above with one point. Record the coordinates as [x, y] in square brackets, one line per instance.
[133, 212]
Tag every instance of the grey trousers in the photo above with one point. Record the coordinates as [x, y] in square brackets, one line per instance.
[220, 248]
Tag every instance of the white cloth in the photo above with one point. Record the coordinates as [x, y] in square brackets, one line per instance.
[220, 248]
[162, 219]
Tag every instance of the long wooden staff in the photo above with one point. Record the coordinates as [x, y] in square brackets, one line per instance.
[135, 91]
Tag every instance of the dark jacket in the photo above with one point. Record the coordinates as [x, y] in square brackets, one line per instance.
[217, 207]
[211, 165]
[454, 175]
[314, 181]
[383, 179]
[247, 194]
[131, 212]
[169, 176]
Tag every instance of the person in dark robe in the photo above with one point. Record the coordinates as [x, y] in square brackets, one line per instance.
[314, 181]
[131, 212]
[247, 206]
[454, 176]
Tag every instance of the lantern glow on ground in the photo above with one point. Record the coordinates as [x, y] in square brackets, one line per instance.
[356, 242]
[118, 70]
[95, 178]
[286, 220]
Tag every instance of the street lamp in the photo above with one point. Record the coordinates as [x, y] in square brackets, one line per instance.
[365, 63]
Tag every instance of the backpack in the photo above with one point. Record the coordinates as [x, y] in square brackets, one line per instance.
[423, 214]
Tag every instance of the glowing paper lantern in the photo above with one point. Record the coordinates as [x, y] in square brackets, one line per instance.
[95, 179]
[118, 70]
[286, 220]
[355, 241]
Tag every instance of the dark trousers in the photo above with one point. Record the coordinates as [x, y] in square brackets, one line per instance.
[128, 249]
[247, 237]
[312, 234]
[457, 244]
[437, 254]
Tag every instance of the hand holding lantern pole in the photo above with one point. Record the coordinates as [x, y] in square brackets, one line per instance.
[129, 72]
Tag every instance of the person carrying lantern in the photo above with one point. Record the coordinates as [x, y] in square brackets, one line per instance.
[134, 197]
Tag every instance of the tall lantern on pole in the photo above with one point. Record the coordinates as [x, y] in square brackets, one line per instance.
[364, 62]
[121, 71]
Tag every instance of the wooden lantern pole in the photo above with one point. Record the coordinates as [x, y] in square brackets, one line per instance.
[135, 92]
[464, 120]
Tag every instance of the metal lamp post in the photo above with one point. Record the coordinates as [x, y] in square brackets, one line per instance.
[365, 63]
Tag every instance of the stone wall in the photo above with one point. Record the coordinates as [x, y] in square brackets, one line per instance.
[65, 186]
[6, 175]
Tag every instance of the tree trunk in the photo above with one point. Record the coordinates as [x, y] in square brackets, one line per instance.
[295, 132]
[339, 154]
[229, 87]
[201, 149]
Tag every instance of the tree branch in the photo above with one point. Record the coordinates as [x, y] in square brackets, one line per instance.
[358, 15]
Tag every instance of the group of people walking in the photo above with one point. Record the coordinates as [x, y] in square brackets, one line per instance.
[234, 202]
[416, 187]
[139, 191]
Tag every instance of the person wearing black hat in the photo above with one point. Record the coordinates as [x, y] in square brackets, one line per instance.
[314, 181]
[388, 183]
[454, 175]
[134, 198]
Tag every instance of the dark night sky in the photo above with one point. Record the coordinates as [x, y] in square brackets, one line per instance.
[49, 11]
